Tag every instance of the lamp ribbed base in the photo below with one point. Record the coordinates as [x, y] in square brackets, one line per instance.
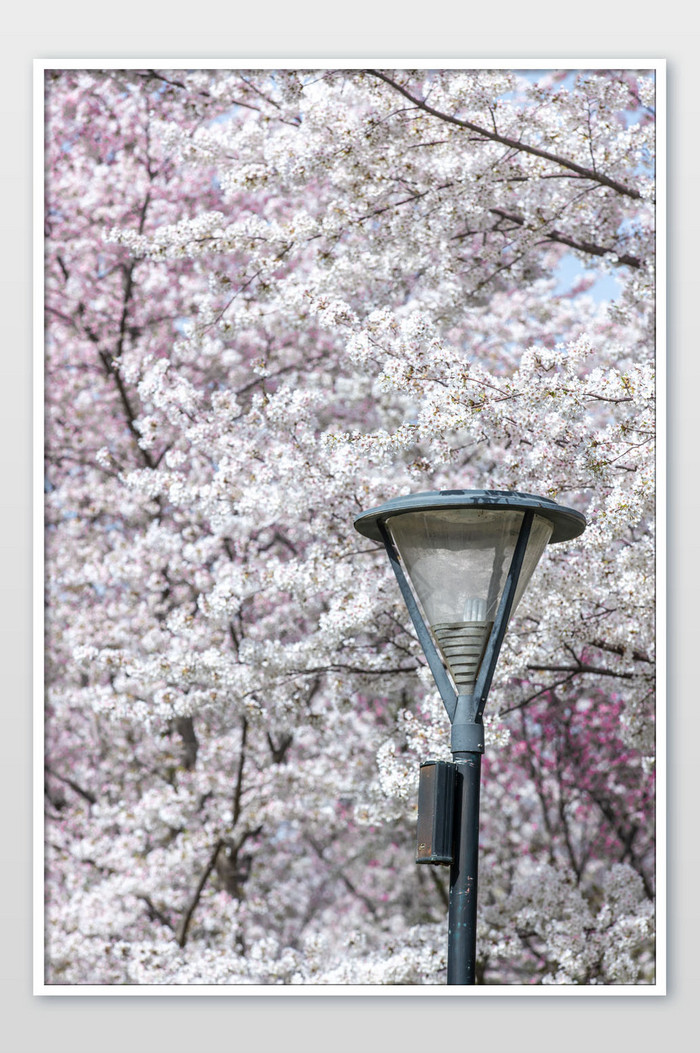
[462, 645]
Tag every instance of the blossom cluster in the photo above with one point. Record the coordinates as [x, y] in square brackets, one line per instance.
[274, 300]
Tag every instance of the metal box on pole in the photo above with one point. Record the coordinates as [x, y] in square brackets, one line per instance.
[436, 796]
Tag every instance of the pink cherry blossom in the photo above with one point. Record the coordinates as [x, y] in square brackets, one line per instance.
[275, 299]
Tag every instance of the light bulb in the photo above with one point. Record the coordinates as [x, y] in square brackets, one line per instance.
[474, 609]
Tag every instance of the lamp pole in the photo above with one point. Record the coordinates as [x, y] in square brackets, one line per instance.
[468, 555]
[461, 924]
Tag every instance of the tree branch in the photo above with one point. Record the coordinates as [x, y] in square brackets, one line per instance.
[339, 872]
[181, 933]
[86, 794]
[190, 743]
[239, 774]
[279, 751]
[537, 694]
[154, 913]
[513, 144]
[563, 239]
[582, 667]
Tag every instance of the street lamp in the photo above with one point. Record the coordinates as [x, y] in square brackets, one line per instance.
[469, 555]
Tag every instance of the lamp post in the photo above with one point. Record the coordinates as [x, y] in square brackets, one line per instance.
[468, 556]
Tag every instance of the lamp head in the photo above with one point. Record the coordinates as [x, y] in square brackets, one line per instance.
[457, 547]
[567, 523]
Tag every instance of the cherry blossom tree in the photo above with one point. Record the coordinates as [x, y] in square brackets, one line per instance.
[275, 299]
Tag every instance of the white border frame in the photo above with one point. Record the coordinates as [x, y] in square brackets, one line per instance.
[41, 66]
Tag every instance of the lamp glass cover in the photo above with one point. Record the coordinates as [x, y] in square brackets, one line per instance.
[458, 562]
